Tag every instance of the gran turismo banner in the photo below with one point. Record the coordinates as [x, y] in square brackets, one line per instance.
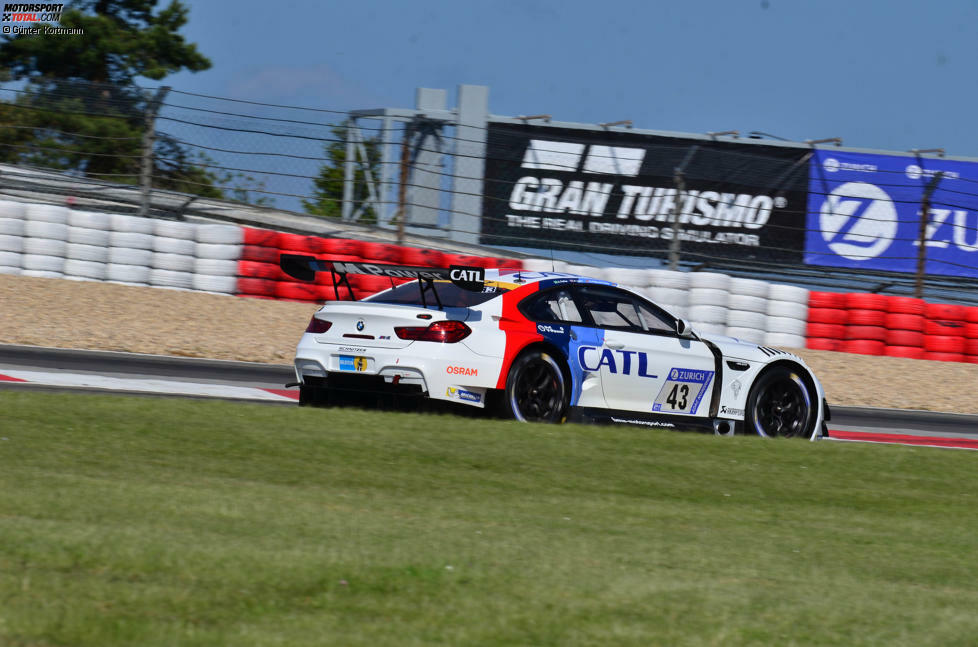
[613, 191]
[864, 213]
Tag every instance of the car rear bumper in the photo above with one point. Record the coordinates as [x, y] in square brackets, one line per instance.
[438, 371]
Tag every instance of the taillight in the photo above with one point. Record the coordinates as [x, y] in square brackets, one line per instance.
[318, 325]
[446, 332]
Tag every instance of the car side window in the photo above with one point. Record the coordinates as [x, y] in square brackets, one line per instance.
[656, 320]
[613, 308]
[552, 305]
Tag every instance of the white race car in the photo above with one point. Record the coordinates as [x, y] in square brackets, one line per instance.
[547, 347]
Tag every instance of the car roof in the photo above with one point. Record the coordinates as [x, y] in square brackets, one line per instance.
[523, 277]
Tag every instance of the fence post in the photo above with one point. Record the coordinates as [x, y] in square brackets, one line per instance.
[918, 290]
[149, 139]
[677, 208]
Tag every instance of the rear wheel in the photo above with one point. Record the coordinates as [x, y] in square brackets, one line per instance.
[536, 390]
[780, 405]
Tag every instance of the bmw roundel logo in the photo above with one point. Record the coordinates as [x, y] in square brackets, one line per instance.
[360, 325]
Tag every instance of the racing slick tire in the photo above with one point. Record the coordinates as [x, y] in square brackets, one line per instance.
[780, 405]
[536, 389]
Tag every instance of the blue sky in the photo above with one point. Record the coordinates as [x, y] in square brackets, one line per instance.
[889, 75]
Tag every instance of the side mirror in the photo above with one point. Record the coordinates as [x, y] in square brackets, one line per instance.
[682, 328]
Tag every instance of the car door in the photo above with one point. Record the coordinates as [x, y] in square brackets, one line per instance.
[559, 322]
[644, 365]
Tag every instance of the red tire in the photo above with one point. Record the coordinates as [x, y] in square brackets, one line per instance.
[253, 270]
[369, 284]
[971, 330]
[913, 352]
[828, 316]
[259, 254]
[328, 293]
[971, 314]
[905, 338]
[826, 300]
[261, 237]
[294, 244]
[381, 253]
[905, 305]
[875, 333]
[826, 331]
[342, 246]
[947, 311]
[253, 287]
[944, 357]
[296, 291]
[863, 347]
[422, 257]
[509, 263]
[944, 327]
[971, 346]
[860, 317]
[900, 321]
[971, 359]
[823, 343]
[866, 301]
[944, 344]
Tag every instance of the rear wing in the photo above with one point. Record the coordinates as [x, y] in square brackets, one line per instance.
[304, 268]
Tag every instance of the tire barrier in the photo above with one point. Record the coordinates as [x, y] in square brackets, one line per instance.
[894, 326]
[57, 242]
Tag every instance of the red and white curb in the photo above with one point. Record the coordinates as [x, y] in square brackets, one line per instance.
[148, 385]
[903, 439]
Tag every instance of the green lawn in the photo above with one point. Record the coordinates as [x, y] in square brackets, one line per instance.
[141, 521]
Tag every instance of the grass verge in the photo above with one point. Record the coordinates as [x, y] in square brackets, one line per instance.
[141, 521]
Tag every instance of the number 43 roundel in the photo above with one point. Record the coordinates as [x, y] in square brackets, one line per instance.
[682, 391]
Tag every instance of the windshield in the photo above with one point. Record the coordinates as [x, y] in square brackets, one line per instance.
[451, 296]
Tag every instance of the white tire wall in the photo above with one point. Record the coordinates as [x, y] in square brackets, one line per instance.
[668, 279]
[537, 265]
[782, 340]
[12, 210]
[175, 229]
[753, 335]
[700, 314]
[11, 227]
[88, 236]
[89, 270]
[133, 224]
[11, 243]
[47, 213]
[127, 274]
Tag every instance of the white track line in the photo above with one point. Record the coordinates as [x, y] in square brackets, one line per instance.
[143, 385]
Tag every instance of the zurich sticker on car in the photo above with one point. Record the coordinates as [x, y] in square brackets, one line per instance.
[683, 391]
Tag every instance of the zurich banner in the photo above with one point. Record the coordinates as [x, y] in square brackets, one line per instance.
[864, 213]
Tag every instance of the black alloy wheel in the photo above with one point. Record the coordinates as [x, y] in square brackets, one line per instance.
[780, 405]
[535, 388]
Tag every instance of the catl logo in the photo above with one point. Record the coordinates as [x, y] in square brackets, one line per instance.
[858, 221]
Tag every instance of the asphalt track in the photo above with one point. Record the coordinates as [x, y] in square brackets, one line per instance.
[54, 369]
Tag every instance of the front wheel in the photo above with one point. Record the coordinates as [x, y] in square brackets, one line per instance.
[780, 405]
[536, 390]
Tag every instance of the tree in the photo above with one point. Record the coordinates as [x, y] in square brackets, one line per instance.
[81, 110]
[328, 195]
